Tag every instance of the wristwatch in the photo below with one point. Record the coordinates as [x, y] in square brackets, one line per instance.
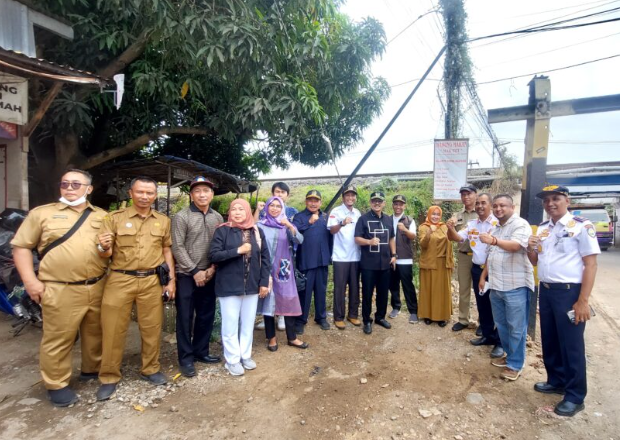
[395, 256]
[100, 248]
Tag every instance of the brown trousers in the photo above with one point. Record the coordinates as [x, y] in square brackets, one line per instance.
[121, 291]
[68, 309]
[465, 284]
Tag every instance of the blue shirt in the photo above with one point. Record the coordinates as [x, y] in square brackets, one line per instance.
[289, 211]
[316, 248]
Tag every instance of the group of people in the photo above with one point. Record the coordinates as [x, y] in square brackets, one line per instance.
[94, 266]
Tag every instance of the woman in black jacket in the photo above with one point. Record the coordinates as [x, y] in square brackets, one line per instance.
[242, 276]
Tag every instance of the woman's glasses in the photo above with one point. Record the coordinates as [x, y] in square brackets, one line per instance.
[74, 185]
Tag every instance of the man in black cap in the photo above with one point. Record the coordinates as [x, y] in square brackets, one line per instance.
[192, 232]
[464, 256]
[565, 249]
[313, 260]
[405, 233]
[374, 233]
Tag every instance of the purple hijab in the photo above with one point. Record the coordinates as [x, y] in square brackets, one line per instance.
[269, 220]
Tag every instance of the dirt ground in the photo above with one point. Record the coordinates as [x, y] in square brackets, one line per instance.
[414, 381]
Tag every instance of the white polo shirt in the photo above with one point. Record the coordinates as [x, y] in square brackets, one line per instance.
[563, 245]
[345, 249]
[412, 228]
[472, 231]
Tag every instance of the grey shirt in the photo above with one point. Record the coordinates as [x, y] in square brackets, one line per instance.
[192, 232]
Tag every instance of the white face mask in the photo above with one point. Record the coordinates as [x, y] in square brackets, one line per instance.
[75, 202]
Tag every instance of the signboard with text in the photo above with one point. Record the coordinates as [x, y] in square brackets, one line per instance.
[450, 170]
[13, 99]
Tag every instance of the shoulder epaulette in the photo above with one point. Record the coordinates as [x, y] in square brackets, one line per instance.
[580, 219]
[43, 206]
[544, 223]
[118, 211]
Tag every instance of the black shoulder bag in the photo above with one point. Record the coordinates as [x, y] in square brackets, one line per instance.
[68, 235]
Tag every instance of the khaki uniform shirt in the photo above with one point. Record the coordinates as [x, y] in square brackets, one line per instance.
[138, 242]
[76, 259]
[462, 218]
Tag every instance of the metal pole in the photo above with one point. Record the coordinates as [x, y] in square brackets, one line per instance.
[168, 191]
[385, 130]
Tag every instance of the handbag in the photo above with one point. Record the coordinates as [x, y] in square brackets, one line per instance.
[300, 278]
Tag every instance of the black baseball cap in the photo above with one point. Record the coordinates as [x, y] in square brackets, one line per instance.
[313, 194]
[553, 189]
[399, 198]
[377, 195]
[469, 188]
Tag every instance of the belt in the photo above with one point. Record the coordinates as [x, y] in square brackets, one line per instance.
[466, 253]
[560, 286]
[137, 273]
[87, 282]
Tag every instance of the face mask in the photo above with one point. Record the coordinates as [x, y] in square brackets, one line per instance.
[75, 202]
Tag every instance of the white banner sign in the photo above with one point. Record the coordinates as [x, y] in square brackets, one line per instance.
[13, 99]
[450, 172]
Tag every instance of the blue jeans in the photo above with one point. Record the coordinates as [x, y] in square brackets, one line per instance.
[510, 311]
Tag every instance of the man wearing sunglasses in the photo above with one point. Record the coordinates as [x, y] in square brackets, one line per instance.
[69, 284]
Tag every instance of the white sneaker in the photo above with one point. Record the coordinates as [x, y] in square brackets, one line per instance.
[235, 369]
[260, 325]
[281, 325]
[248, 364]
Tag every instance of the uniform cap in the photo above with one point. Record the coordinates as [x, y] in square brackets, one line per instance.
[399, 198]
[469, 188]
[313, 194]
[553, 189]
[201, 180]
[377, 195]
[349, 188]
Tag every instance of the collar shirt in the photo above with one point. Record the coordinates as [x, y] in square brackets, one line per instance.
[563, 246]
[471, 232]
[412, 228]
[462, 218]
[192, 232]
[315, 250]
[511, 270]
[371, 226]
[289, 211]
[345, 248]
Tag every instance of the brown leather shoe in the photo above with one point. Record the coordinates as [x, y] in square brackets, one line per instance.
[356, 322]
[340, 325]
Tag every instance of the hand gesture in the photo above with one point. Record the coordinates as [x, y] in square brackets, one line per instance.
[486, 238]
[105, 240]
[284, 222]
[245, 248]
[346, 221]
[35, 290]
[314, 218]
[402, 227]
[533, 242]
[260, 206]
[374, 241]
[451, 223]
[433, 228]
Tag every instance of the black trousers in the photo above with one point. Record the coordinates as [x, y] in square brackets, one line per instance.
[289, 322]
[195, 314]
[563, 346]
[403, 274]
[346, 273]
[316, 281]
[485, 312]
[371, 280]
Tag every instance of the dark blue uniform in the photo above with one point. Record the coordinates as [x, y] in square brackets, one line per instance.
[313, 260]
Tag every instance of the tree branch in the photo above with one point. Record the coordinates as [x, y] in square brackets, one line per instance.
[127, 57]
[138, 143]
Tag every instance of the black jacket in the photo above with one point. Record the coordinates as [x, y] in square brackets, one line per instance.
[229, 280]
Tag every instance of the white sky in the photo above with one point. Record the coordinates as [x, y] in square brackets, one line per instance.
[408, 145]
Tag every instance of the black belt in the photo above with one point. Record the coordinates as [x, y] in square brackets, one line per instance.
[87, 282]
[560, 286]
[137, 273]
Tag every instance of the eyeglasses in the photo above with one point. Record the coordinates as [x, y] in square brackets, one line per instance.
[376, 202]
[74, 185]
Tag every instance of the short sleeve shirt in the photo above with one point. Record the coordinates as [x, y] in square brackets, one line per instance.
[563, 246]
[138, 242]
[472, 233]
[76, 259]
[345, 249]
[371, 226]
[462, 218]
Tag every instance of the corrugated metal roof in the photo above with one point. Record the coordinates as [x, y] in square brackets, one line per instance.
[16, 31]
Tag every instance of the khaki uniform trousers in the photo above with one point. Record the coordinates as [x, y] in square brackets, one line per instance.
[121, 291]
[68, 309]
[465, 284]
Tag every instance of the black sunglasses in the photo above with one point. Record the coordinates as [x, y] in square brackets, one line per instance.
[74, 185]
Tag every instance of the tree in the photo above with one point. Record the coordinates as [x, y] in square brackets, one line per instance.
[212, 76]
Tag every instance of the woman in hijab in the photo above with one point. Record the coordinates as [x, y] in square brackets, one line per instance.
[240, 252]
[436, 264]
[282, 299]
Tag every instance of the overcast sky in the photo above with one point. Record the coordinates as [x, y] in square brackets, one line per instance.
[408, 145]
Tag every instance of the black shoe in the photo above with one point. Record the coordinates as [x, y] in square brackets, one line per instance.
[62, 397]
[479, 331]
[106, 391]
[458, 327]
[544, 387]
[427, 321]
[299, 329]
[272, 347]
[188, 370]
[442, 323]
[301, 346]
[85, 377]
[208, 359]
[568, 409]
[324, 325]
[158, 378]
[480, 341]
[497, 352]
[368, 328]
[383, 323]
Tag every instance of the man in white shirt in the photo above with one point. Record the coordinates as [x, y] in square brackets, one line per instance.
[346, 255]
[404, 230]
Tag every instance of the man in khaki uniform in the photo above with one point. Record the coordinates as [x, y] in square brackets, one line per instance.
[69, 285]
[138, 240]
[464, 258]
